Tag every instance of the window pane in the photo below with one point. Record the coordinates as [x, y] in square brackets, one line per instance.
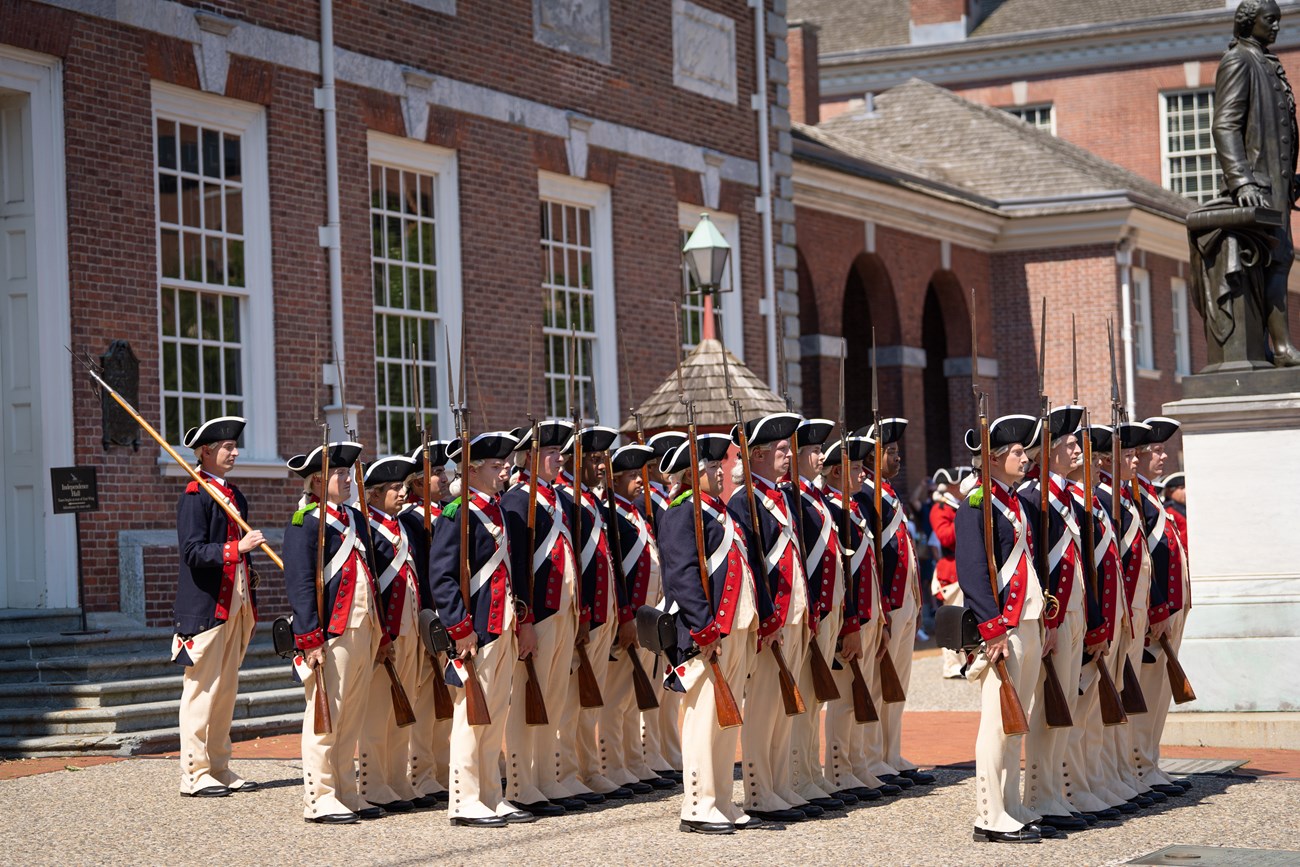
[210, 318]
[166, 143]
[189, 145]
[235, 211]
[170, 253]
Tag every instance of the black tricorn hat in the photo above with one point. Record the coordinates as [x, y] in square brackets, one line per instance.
[768, 429]
[631, 457]
[814, 431]
[342, 454]
[953, 476]
[1100, 434]
[1176, 479]
[437, 453]
[217, 430]
[1162, 429]
[1064, 420]
[666, 441]
[1133, 434]
[710, 447]
[395, 468]
[484, 447]
[551, 432]
[859, 450]
[891, 429]
[594, 439]
[1005, 431]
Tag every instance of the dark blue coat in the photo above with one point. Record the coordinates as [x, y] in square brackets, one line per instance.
[515, 501]
[201, 531]
[866, 499]
[767, 534]
[1159, 593]
[590, 609]
[1030, 498]
[300, 574]
[1160, 558]
[419, 541]
[996, 615]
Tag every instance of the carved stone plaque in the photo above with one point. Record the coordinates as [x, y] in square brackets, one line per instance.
[704, 51]
[121, 370]
[577, 26]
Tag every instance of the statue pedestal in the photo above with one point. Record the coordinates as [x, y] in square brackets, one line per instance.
[1242, 457]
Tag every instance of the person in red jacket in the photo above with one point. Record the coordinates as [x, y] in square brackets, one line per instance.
[946, 501]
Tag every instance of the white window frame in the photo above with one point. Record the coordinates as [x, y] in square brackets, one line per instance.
[1144, 354]
[571, 191]
[733, 326]
[1166, 179]
[1182, 339]
[261, 452]
[1019, 111]
[409, 155]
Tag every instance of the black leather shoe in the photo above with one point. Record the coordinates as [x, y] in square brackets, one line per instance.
[660, 783]
[336, 819]
[443, 797]
[706, 827]
[1141, 800]
[670, 774]
[519, 817]
[828, 803]
[751, 821]
[783, 817]
[890, 789]
[1169, 791]
[622, 793]
[571, 805]
[639, 788]
[812, 811]
[1110, 814]
[398, 806]
[426, 802]
[1024, 835]
[543, 808]
[1127, 807]
[1063, 823]
[848, 798]
[897, 780]
[591, 797]
[247, 786]
[862, 793]
[1045, 831]
[371, 812]
[921, 778]
[209, 792]
[481, 822]
[1090, 818]
[1155, 796]
[1185, 785]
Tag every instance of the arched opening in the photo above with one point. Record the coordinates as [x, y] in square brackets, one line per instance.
[945, 334]
[868, 303]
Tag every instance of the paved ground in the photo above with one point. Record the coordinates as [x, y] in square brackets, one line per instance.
[128, 812]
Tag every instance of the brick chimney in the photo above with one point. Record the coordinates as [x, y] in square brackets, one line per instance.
[805, 89]
[940, 21]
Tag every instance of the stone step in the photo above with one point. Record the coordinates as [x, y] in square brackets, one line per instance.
[35, 620]
[154, 662]
[131, 743]
[116, 693]
[55, 645]
[144, 716]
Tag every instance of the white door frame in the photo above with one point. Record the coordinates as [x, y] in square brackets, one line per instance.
[41, 77]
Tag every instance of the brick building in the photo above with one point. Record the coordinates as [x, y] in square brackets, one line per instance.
[211, 183]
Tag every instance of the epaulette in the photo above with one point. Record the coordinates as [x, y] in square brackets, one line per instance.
[302, 513]
[192, 488]
[976, 497]
[449, 511]
[681, 498]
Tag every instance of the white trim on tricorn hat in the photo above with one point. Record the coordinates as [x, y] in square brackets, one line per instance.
[632, 457]
[394, 468]
[551, 432]
[814, 431]
[1005, 431]
[951, 475]
[484, 447]
[768, 429]
[710, 447]
[1176, 479]
[216, 430]
[437, 453]
[859, 449]
[596, 438]
[1162, 429]
[342, 454]
[665, 441]
[891, 429]
[1133, 434]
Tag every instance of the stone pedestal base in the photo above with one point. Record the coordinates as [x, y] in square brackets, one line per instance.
[1242, 639]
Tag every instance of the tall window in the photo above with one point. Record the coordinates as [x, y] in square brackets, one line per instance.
[1182, 343]
[1142, 319]
[1190, 167]
[414, 278]
[213, 265]
[727, 303]
[578, 297]
[1038, 116]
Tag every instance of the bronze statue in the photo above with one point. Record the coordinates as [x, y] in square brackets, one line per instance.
[1241, 246]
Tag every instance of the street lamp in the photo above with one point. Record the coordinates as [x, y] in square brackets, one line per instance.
[706, 253]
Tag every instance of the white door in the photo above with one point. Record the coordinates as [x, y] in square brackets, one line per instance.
[23, 488]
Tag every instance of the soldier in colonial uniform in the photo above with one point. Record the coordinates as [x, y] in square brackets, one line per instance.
[621, 719]
[489, 629]
[385, 748]
[215, 611]
[661, 734]
[725, 623]
[661, 443]
[946, 501]
[532, 751]
[765, 736]
[1009, 623]
[846, 758]
[824, 571]
[900, 591]
[343, 649]
[1173, 492]
[1170, 598]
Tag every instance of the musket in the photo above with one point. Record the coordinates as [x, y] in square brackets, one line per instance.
[534, 700]
[864, 710]
[1014, 721]
[891, 686]
[476, 708]
[322, 723]
[1134, 701]
[791, 699]
[1112, 706]
[402, 710]
[588, 686]
[1178, 682]
[724, 700]
[229, 508]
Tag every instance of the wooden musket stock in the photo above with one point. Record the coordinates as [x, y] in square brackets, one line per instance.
[1178, 682]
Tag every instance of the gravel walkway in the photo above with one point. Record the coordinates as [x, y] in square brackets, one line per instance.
[130, 813]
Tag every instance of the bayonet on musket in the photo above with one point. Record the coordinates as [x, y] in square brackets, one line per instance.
[891, 686]
[864, 710]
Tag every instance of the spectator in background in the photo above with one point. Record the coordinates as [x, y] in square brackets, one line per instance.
[1173, 490]
[918, 524]
[946, 499]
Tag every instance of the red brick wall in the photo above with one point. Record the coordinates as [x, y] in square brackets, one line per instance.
[805, 86]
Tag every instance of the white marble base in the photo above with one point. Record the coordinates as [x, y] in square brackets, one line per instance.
[1242, 639]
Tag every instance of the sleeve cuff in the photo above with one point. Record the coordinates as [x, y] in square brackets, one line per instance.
[310, 640]
[993, 628]
[707, 635]
[230, 553]
[462, 629]
[1095, 636]
[851, 625]
[584, 616]
[386, 639]
[1159, 613]
[626, 614]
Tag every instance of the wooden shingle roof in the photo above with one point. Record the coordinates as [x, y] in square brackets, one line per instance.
[704, 382]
